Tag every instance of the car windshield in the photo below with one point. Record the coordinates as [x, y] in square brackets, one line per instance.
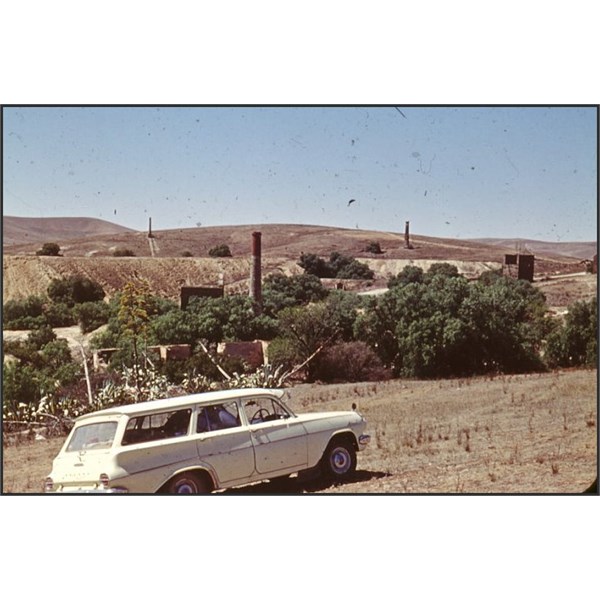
[95, 436]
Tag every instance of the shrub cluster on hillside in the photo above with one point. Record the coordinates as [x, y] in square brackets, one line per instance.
[338, 266]
[220, 251]
[70, 301]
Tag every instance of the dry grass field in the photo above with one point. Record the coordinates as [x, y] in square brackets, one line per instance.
[509, 434]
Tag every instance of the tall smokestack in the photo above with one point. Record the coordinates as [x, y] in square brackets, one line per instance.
[406, 236]
[150, 227]
[255, 275]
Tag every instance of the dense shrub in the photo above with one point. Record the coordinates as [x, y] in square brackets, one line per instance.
[229, 319]
[350, 361]
[410, 274]
[339, 266]
[443, 269]
[75, 289]
[575, 343]
[283, 352]
[16, 313]
[91, 315]
[222, 250]
[374, 248]
[281, 291]
[121, 252]
[49, 249]
[446, 327]
[43, 366]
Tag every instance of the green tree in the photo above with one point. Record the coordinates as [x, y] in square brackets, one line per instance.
[91, 315]
[448, 327]
[346, 267]
[59, 314]
[23, 314]
[75, 289]
[343, 309]
[508, 324]
[339, 265]
[281, 291]
[409, 274]
[306, 331]
[575, 343]
[175, 327]
[230, 318]
[315, 265]
[442, 269]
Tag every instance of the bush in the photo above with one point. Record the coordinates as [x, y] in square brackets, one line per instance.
[24, 314]
[374, 248]
[49, 249]
[315, 265]
[59, 314]
[186, 254]
[75, 289]
[282, 352]
[91, 315]
[446, 327]
[410, 274]
[442, 269]
[575, 343]
[120, 252]
[350, 361]
[339, 265]
[220, 251]
[280, 291]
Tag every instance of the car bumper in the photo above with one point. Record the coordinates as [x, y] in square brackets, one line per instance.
[79, 490]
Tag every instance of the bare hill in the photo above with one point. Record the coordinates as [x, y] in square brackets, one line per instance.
[25, 230]
[581, 250]
[159, 258]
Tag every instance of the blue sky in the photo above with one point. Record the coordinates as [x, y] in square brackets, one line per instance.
[463, 172]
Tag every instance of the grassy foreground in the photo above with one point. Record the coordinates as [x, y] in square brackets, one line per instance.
[507, 434]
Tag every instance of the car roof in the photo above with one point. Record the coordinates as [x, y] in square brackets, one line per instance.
[180, 401]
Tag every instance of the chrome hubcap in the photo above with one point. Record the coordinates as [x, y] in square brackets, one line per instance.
[185, 487]
[340, 460]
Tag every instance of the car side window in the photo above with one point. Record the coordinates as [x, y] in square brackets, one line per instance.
[159, 426]
[261, 410]
[218, 416]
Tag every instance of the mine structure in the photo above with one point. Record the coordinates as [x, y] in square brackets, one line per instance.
[519, 266]
[256, 273]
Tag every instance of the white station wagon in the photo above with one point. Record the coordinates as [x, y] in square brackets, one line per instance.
[203, 442]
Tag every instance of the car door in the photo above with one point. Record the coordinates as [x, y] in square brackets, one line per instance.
[223, 441]
[279, 439]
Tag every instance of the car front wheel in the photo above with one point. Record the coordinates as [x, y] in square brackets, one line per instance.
[187, 483]
[339, 460]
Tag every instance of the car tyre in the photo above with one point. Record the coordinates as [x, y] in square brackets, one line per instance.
[188, 483]
[339, 461]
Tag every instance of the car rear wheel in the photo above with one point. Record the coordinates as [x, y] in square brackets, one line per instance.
[188, 483]
[339, 460]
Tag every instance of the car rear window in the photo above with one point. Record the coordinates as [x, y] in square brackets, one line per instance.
[95, 436]
[157, 426]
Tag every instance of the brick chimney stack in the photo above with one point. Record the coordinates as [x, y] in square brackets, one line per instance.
[256, 272]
